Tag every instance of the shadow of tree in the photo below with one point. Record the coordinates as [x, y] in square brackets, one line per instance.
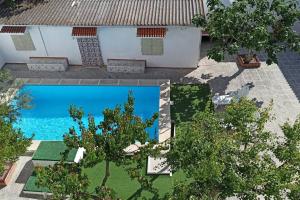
[220, 83]
[25, 173]
[290, 68]
[187, 100]
[138, 193]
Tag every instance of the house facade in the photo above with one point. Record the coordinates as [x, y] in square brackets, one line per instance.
[90, 32]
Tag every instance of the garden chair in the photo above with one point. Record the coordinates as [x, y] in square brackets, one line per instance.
[227, 98]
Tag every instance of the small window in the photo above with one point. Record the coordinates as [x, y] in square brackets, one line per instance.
[152, 46]
[23, 42]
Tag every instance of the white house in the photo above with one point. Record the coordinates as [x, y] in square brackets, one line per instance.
[89, 32]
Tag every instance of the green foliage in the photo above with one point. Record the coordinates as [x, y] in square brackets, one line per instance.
[188, 99]
[105, 142]
[254, 25]
[228, 154]
[12, 141]
[21, 4]
[66, 181]
[288, 152]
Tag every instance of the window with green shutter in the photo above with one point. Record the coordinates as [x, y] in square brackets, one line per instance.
[23, 42]
[152, 46]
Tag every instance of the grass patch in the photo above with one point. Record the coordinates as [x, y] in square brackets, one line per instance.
[127, 188]
[52, 151]
[120, 182]
[31, 186]
[188, 99]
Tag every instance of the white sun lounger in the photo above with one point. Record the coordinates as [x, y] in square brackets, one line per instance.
[227, 98]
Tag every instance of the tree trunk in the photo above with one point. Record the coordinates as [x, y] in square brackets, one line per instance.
[214, 194]
[248, 57]
[107, 173]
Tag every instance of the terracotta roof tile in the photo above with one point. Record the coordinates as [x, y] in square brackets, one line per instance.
[151, 32]
[84, 31]
[13, 29]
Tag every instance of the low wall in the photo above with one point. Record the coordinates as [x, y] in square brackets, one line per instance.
[126, 66]
[43, 163]
[35, 195]
[5, 178]
[47, 64]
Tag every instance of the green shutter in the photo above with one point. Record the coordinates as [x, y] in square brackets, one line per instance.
[23, 42]
[152, 46]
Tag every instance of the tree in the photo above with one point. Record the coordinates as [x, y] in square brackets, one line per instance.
[12, 141]
[289, 154]
[231, 154]
[21, 4]
[104, 142]
[253, 25]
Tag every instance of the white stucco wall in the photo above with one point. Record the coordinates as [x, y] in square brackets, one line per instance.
[9, 53]
[181, 46]
[60, 43]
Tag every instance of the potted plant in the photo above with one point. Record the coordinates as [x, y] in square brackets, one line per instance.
[6, 174]
[250, 26]
[249, 60]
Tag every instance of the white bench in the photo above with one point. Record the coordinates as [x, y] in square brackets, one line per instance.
[126, 66]
[48, 63]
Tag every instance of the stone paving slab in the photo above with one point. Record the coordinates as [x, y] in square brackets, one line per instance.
[67, 82]
[89, 81]
[51, 81]
[268, 83]
[13, 190]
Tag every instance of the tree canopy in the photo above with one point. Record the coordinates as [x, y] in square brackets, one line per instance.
[231, 154]
[103, 142]
[12, 141]
[252, 25]
[23, 4]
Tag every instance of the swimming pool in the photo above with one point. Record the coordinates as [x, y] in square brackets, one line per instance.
[49, 118]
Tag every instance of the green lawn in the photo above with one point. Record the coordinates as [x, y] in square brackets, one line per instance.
[120, 182]
[52, 150]
[127, 188]
[30, 185]
[188, 99]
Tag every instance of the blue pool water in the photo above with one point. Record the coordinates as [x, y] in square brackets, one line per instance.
[49, 118]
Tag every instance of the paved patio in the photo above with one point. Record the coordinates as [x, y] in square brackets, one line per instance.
[78, 72]
[280, 83]
[19, 178]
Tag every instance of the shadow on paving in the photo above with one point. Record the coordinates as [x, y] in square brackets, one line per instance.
[289, 64]
[25, 173]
